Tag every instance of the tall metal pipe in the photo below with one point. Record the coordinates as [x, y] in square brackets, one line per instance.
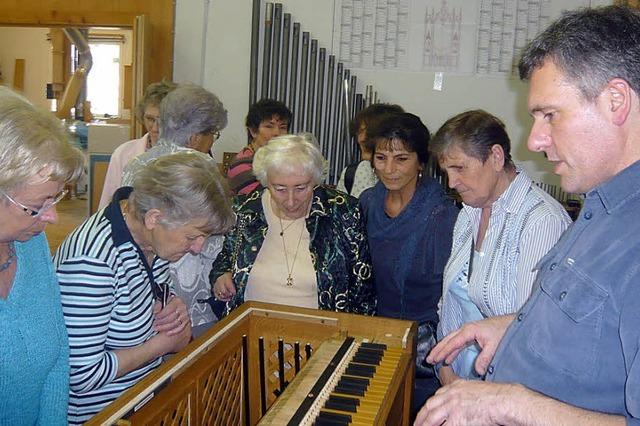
[302, 104]
[276, 29]
[266, 55]
[311, 88]
[321, 101]
[293, 81]
[286, 57]
[255, 52]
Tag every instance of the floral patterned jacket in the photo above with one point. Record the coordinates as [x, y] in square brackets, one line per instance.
[339, 250]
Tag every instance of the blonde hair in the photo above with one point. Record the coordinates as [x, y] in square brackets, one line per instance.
[33, 144]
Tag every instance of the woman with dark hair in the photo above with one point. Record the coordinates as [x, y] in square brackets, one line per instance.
[265, 120]
[505, 226]
[409, 226]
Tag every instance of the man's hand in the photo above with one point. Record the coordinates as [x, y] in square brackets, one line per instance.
[487, 332]
[465, 403]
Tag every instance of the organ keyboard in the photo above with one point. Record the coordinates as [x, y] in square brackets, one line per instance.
[249, 368]
[345, 383]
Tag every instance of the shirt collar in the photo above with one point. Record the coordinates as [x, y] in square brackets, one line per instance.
[120, 232]
[620, 188]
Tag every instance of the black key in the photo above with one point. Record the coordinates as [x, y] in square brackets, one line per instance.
[361, 381]
[354, 401]
[326, 415]
[363, 359]
[325, 422]
[341, 406]
[374, 346]
[349, 390]
[355, 386]
[360, 370]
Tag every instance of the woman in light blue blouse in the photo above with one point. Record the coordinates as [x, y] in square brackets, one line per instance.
[505, 226]
[36, 162]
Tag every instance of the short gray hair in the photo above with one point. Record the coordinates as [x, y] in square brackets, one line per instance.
[33, 143]
[153, 96]
[184, 186]
[287, 153]
[190, 110]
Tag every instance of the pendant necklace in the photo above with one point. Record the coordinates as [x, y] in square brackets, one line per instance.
[289, 281]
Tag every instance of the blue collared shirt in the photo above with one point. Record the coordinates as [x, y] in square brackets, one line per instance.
[577, 338]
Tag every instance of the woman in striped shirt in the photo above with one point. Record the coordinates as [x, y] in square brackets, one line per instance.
[120, 313]
[505, 226]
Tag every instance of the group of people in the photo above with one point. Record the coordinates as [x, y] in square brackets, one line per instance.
[520, 319]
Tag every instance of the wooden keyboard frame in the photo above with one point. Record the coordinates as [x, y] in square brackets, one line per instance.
[203, 384]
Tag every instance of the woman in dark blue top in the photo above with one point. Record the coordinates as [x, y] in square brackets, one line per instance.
[409, 226]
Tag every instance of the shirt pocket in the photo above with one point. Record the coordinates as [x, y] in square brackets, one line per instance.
[567, 337]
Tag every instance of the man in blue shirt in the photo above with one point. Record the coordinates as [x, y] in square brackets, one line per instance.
[571, 355]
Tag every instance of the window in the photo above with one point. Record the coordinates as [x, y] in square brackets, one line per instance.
[103, 82]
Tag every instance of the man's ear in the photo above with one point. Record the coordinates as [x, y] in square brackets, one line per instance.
[252, 132]
[618, 100]
[497, 157]
[152, 218]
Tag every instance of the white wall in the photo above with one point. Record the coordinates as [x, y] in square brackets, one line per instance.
[212, 46]
[31, 45]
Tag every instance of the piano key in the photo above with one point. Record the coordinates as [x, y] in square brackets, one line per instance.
[327, 415]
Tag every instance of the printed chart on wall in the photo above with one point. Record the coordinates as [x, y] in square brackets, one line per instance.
[482, 37]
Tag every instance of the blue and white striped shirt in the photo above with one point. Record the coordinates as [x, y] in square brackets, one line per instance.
[525, 223]
[107, 302]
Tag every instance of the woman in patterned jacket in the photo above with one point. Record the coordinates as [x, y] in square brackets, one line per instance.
[297, 242]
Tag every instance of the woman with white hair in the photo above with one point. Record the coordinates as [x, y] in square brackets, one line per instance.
[191, 118]
[36, 162]
[121, 314]
[296, 242]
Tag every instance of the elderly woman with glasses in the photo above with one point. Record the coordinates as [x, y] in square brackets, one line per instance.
[190, 119]
[36, 162]
[296, 242]
[148, 113]
[121, 314]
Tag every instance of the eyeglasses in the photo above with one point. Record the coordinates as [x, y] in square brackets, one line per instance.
[49, 202]
[150, 120]
[215, 134]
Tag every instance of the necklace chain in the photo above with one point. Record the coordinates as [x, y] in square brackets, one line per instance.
[283, 230]
[284, 248]
[11, 256]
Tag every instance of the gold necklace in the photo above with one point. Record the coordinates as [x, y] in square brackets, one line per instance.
[284, 248]
[283, 230]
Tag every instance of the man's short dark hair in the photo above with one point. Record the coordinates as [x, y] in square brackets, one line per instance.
[369, 115]
[402, 127]
[591, 47]
[266, 109]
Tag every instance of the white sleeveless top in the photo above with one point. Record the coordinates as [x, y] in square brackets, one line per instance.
[268, 278]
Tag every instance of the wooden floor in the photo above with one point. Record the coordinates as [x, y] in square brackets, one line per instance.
[71, 213]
